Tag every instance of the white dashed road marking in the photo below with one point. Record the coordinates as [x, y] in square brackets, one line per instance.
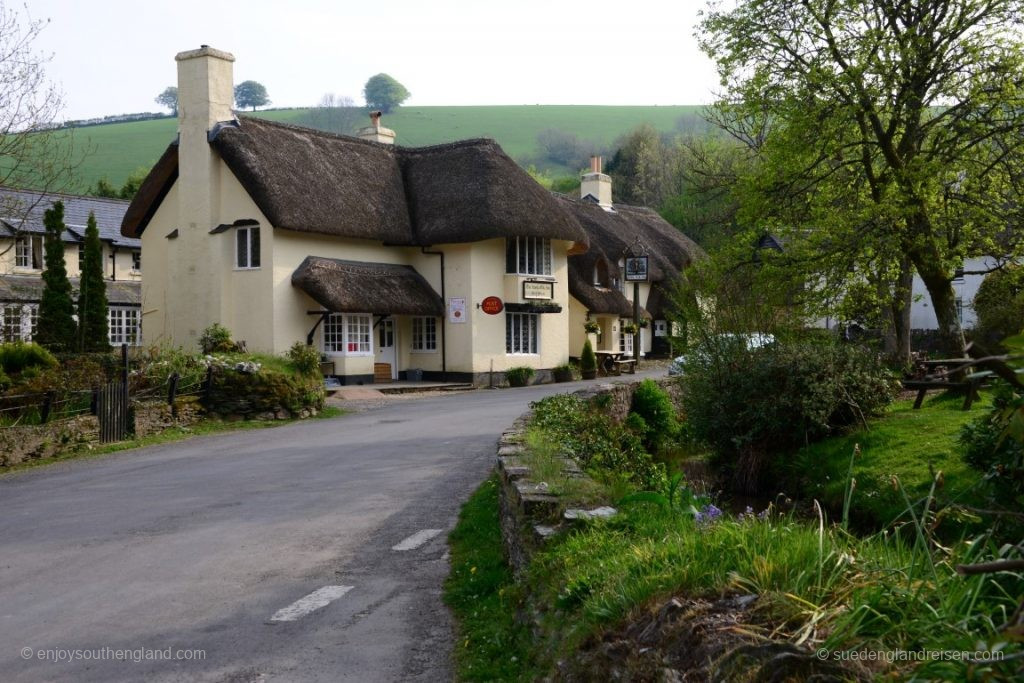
[312, 602]
[417, 539]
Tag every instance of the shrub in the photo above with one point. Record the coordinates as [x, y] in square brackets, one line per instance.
[519, 376]
[305, 359]
[216, 338]
[999, 305]
[588, 361]
[16, 357]
[5, 381]
[750, 405]
[595, 441]
[658, 424]
[990, 449]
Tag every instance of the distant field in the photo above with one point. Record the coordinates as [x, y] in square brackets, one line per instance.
[117, 149]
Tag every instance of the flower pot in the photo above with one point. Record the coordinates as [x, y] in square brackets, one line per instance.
[564, 375]
[589, 374]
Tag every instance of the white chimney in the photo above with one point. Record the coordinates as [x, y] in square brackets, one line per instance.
[377, 132]
[596, 184]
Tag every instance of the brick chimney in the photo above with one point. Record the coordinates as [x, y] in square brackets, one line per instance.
[596, 184]
[377, 132]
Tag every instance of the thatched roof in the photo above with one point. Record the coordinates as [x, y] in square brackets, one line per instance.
[29, 289]
[360, 287]
[312, 181]
[613, 234]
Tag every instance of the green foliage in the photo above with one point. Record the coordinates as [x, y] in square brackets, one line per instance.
[659, 425]
[519, 376]
[266, 390]
[384, 93]
[133, 183]
[589, 436]
[999, 305]
[750, 406]
[169, 98]
[588, 360]
[251, 94]
[642, 168]
[16, 357]
[93, 332]
[5, 381]
[566, 149]
[56, 327]
[103, 188]
[216, 338]
[305, 359]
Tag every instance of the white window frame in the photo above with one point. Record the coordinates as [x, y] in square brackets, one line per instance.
[342, 331]
[522, 334]
[24, 316]
[424, 334]
[625, 342]
[26, 248]
[531, 256]
[124, 325]
[246, 234]
[137, 260]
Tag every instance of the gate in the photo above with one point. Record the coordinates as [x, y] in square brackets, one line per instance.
[112, 412]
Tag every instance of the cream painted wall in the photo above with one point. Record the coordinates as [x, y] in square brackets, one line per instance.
[577, 335]
[122, 267]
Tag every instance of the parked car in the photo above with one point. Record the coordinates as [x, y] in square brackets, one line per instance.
[750, 341]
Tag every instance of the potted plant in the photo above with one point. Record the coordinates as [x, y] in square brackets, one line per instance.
[519, 376]
[562, 373]
[588, 361]
[644, 322]
[591, 327]
[630, 328]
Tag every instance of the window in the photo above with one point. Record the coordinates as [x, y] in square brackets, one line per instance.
[625, 343]
[247, 248]
[123, 324]
[601, 277]
[347, 334]
[28, 252]
[81, 256]
[18, 322]
[424, 334]
[137, 258]
[528, 256]
[521, 332]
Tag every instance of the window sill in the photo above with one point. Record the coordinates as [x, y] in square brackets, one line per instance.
[353, 354]
[534, 276]
[24, 270]
[238, 268]
[423, 351]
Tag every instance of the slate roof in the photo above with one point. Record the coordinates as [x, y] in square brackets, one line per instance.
[29, 289]
[22, 210]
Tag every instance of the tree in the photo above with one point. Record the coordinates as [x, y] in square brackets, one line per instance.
[92, 294]
[251, 94]
[34, 151]
[169, 98]
[384, 92]
[887, 133]
[56, 326]
[336, 114]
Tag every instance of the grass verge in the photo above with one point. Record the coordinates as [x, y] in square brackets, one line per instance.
[492, 643]
[171, 435]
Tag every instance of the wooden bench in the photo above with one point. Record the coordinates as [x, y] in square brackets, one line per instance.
[626, 365]
[923, 386]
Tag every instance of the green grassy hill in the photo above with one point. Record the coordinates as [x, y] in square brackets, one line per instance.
[115, 150]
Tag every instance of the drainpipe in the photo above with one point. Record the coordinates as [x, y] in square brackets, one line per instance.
[444, 318]
[113, 263]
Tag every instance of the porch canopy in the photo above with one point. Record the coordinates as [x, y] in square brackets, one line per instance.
[342, 286]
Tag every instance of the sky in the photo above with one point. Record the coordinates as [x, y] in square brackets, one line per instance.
[116, 56]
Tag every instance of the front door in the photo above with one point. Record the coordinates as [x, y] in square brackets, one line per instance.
[386, 346]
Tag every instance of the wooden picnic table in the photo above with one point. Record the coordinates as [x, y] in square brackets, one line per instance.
[606, 362]
[943, 380]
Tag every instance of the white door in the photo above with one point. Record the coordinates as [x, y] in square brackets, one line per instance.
[386, 345]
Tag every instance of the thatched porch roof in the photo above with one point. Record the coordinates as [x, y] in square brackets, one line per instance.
[360, 287]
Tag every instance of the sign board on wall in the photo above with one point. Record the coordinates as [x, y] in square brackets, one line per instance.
[539, 290]
[636, 269]
[492, 305]
[456, 310]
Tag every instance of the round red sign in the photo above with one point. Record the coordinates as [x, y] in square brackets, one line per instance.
[492, 305]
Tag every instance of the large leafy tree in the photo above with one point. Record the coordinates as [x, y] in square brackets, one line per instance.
[56, 325]
[384, 92]
[887, 133]
[251, 94]
[169, 98]
[92, 294]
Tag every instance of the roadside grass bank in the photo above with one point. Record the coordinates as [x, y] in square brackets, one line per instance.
[672, 585]
[170, 435]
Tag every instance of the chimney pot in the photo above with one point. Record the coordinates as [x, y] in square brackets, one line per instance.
[375, 118]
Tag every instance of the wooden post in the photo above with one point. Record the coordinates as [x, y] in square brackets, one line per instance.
[172, 388]
[636, 321]
[44, 413]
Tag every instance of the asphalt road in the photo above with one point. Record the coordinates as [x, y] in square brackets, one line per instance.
[191, 550]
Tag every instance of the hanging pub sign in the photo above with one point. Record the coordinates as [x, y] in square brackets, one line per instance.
[492, 305]
[636, 269]
[457, 310]
[539, 290]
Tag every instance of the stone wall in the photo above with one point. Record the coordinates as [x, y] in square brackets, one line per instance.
[31, 442]
[152, 417]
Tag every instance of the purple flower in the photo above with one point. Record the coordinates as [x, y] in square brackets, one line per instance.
[708, 514]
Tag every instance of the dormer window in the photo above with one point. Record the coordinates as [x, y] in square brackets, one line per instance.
[601, 277]
[247, 247]
[528, 256]
[28, 252]
[137, 261]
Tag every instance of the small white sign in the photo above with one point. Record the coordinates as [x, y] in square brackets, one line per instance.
[538, 290]
[456, 310]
